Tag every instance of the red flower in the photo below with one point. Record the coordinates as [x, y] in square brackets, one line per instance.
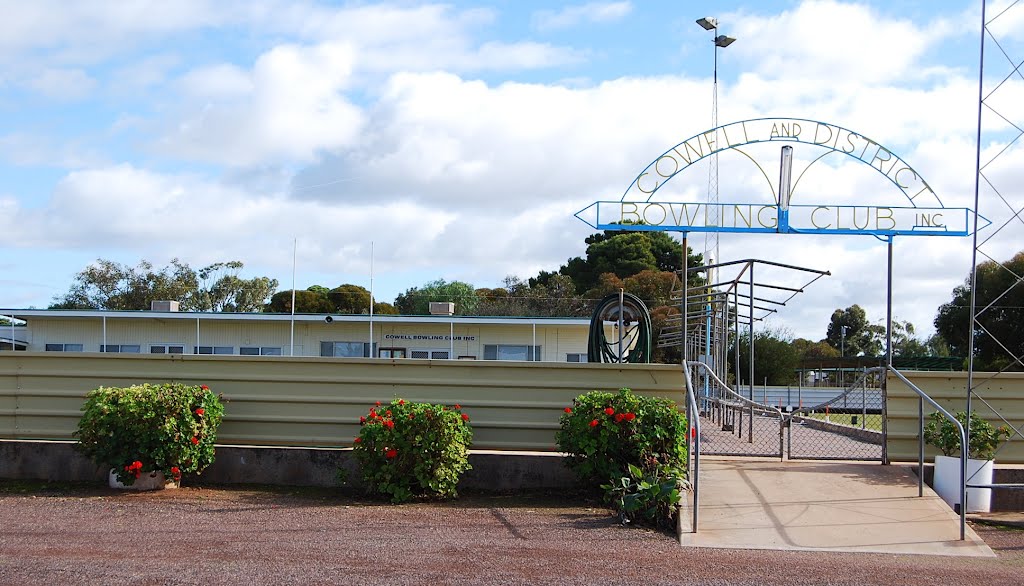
[457, 406]
[388, 412]
[568, 410]
[411, 416]
[401, 401]
[389, 424]
[195, 440]
[359, 440]
[610, 411]
[630, 416]
[204, 387]
[175, 472]
[373, 413]
[594, 423]
[200, 411]
[619, 417]
[465, 417]
[378, 403]
[362, 420]
[391, 453]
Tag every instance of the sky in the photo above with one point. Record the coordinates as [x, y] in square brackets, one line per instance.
[458, 139]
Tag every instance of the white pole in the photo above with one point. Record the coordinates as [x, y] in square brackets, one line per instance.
[533, 349]
[372, 299]
[451, 340]
[103, 348]
[295, 249]
[197, 335]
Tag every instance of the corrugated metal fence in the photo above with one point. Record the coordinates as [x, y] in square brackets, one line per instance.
[1004, 395]
[284, 401]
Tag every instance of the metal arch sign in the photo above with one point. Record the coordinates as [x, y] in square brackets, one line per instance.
[636, 209]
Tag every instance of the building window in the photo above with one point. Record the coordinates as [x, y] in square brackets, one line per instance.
[576, 357]
[392, 353]
[167, 349]
[430, 354]
[260, 350]
[213, 349]
[511, 352]
[64, 347]
[128, 348]
[347, 349]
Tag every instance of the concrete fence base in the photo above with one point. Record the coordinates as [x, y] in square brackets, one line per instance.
[492, 471]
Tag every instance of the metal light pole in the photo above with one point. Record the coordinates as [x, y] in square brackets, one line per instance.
[842, 354]
[710, 23]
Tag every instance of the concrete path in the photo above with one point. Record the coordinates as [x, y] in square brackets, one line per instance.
[823, 506]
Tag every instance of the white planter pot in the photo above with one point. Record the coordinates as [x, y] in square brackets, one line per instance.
[946, 483]
[148, 481]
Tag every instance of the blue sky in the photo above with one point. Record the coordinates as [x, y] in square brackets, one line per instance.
[458, 137]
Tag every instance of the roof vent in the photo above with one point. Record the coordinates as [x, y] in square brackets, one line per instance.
[442, 308]
[163, 306]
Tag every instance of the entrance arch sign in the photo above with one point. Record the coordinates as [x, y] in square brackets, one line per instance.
[923, 213]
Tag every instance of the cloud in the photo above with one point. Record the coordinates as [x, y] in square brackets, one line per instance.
[828, 39]
[571, 16]
[289, 107]
[62, 84]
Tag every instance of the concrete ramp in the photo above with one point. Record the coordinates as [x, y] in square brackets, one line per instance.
[823, 506]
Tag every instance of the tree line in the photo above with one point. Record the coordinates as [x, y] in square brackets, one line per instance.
[644, 263]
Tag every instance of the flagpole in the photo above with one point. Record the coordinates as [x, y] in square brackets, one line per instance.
[372, 299]
[295, 248]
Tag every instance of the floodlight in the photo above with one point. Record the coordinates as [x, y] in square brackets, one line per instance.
[708, 22]
[724, 41]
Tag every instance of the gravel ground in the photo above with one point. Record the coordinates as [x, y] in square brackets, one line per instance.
[74, 534]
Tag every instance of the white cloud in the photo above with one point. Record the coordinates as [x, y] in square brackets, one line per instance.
[289, 107]
[62, 84]
[24, 149]
[570, 16]
[828, 39]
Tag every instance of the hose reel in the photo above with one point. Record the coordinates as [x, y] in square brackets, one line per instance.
[631, 342]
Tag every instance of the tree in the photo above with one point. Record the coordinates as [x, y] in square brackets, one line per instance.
[350, 298]
[861, 338]
[1000, 312]
[110, 285]
[624, 254]
[808, 350]
[223, 290]
[554, 297]
[775, 358]
[305, 302]
[416, 300]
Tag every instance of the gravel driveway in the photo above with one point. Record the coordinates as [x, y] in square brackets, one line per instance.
[75, 534]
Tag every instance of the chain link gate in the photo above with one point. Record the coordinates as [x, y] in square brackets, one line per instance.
[849, 425]
[733, 425]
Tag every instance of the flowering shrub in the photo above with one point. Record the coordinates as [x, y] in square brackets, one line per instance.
[134, 430]
[408, 449]
[604, 433]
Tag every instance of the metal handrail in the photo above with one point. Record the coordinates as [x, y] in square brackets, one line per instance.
[736, 395]
[694, 421]
[859, 385]
[922, 396]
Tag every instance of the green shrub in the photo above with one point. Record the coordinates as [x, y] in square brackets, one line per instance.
[408, 450]
[651, 499]
[603, 433]
[167, 427]
[984, 440]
